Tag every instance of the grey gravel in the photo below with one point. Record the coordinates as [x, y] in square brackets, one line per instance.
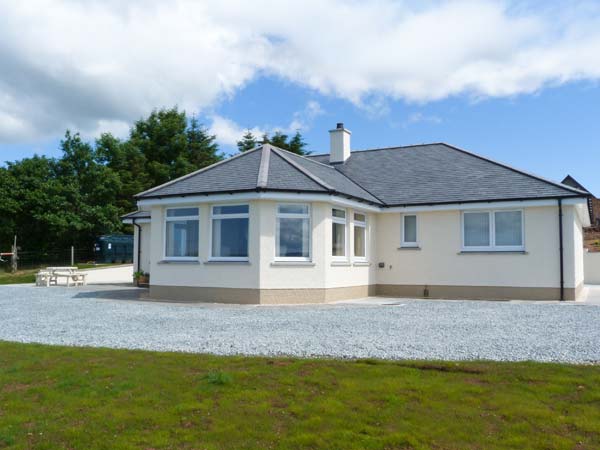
[401, 329]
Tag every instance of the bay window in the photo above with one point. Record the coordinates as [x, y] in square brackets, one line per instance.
[181, 233]
[293, 232]
[493, 231]
[229, 229]
[360, 236]
[338, 233]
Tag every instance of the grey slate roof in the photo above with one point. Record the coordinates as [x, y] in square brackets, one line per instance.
[414, 175]
[265, 168]
[136, 215]
[441, 173]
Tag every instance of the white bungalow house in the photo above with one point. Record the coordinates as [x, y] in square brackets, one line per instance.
[269, 226]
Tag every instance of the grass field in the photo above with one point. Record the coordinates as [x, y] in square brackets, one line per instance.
[58, 397]
[28, 275]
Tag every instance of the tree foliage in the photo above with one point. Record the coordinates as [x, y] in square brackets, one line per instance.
[295, 145]
[70, 200]
[248, 142]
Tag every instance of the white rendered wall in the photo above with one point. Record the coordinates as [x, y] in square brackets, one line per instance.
[592, 267]
[322, 272]
[440, 261]
[204, 273]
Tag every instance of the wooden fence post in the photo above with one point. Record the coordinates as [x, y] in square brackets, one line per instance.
[15, 256]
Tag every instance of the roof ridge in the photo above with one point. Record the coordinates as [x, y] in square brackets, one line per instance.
[306, 157]
[364, 150]
[263, 169]
[301, 169]
[196, 172]
[335, 169]
[514, 169]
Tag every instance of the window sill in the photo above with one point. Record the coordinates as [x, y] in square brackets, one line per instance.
[340, 263]
[179, 261]
[216, 262]
[409, 247]
[493, 252]
[361, 263]
[293, 263]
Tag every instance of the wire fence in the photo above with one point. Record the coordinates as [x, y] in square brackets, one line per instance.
[58, 257]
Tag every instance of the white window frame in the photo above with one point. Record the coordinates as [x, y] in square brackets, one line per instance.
[279, 215]
[363, 225]
[344, 222]
[177, 219]
[492, 233]
[228, 216]
[403, 242]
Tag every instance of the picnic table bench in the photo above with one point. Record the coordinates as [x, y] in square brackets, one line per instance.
[50, 275]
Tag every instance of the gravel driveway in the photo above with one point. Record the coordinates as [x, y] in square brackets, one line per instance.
[407, 329]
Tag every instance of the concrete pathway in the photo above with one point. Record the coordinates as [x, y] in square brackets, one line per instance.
[592, 294]
[111, 275]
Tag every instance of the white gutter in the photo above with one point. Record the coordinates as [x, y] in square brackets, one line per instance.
[345, 202]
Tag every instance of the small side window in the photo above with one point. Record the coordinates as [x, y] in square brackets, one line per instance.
[409, 230]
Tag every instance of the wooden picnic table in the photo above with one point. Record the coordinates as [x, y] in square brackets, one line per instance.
[50, 276]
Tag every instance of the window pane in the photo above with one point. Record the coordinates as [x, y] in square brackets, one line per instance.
[230, 209]
[180, 212]
[508, 228]
[338, 240]
[230, 238]
[477, 229]
[292, 209]
[339, 213]
[359, 241]
[293, 238]
[182, 238]
[360, 217]
[410, 229]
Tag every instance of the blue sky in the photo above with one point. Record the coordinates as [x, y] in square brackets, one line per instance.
[551, 133]
[514, 81]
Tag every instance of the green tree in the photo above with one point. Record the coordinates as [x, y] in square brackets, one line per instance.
[162, 139]
[202, 148]
[279, 139]
[248, 142]
[297, 144]
[71, 200]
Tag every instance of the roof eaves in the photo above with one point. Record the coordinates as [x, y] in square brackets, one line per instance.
[204, 169]
[487, 200]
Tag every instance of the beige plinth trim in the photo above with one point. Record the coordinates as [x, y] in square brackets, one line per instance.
[188, 294]
[474, 292]
[321, 295]
[257, 296]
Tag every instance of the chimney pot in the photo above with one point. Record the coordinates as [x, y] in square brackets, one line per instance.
[340, 126]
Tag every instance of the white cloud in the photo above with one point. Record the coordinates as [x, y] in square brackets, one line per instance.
[303, 120]
[419, 117]
[229, 132]
[85, 63]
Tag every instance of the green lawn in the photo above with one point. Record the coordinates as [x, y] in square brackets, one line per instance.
[22, 276]
[28, 275]
[57, 397]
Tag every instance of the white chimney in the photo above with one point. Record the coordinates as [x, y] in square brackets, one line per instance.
[339, 139]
